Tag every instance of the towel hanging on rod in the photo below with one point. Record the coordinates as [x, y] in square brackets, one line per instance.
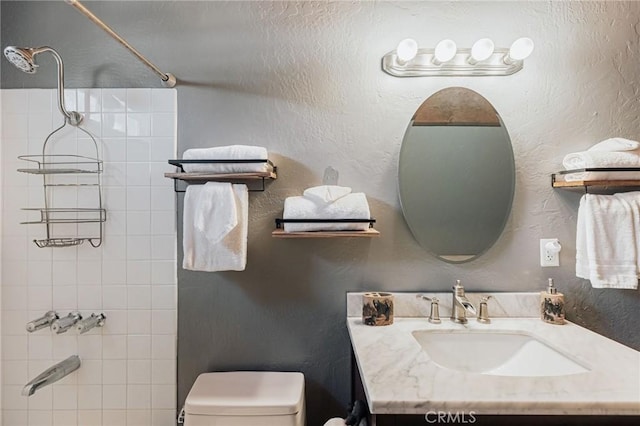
[168, 79]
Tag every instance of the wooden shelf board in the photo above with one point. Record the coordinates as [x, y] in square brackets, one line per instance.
[369, 233]
[199, 177]
[602, 183]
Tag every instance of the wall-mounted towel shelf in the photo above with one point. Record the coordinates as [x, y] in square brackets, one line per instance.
[280, 233]
[203, 177]
[598, 178]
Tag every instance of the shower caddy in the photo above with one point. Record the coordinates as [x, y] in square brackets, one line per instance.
[60, 172]
[63, 171]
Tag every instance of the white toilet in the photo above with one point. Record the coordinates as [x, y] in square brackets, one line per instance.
[246, 398]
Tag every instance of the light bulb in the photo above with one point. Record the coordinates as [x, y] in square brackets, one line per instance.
[407, 50]
[519, 50]
[481, 50]
[444, 52]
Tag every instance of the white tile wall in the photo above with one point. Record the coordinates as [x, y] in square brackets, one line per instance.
[128, 372]
[11, 378]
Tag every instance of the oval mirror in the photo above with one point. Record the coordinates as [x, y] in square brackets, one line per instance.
[456, 175]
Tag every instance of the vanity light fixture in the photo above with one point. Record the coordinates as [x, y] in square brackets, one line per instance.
[482, 59]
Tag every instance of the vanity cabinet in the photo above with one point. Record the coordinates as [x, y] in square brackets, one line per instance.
[516, 369]
[468, 418]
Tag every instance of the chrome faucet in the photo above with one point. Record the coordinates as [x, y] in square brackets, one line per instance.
[461, 305]
[52, 375]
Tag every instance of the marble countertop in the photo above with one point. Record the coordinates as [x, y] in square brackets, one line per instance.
[400, 378]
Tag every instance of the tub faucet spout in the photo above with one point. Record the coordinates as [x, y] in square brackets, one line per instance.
[52, 374]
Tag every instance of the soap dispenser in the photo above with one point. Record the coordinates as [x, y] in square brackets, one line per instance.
[552, 305]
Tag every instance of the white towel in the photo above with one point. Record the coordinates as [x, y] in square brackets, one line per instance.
[352, 206]
[215, 213]
[613, 152]
[326, 194]
[211, 241]
[633, 199]
[606, 241]
[230, 152]
[583, 270]
[585, 159]
[615, 144]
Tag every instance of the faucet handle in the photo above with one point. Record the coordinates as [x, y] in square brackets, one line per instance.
[483, 315]
[87, 324]
[434, 315]
[42, 322]
[458, 289]
[61, 325]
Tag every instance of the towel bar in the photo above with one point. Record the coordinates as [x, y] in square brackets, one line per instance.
[204, 179]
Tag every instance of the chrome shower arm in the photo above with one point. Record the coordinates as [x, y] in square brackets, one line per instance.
[168, 80]
[74, 118]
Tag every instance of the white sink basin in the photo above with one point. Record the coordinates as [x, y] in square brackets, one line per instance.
[495, 353]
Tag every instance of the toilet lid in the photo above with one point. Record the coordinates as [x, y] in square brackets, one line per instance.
[246, 393]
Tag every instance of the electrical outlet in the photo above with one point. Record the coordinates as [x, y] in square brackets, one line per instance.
[549, 256]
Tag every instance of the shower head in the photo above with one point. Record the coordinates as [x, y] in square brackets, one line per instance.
[23, 57]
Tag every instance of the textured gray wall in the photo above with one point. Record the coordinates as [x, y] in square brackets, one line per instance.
[304, 80]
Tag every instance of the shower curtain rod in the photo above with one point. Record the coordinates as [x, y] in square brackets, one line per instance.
[168, 79]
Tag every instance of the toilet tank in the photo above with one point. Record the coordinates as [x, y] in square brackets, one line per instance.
[246, 398]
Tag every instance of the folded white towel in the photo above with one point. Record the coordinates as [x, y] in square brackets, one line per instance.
[326, 194]
[210, 241]
[615, 144]
[230, 152]
[585, 159]
[606, 251]
[352, 206]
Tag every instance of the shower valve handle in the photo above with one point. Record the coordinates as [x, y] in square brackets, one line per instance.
[63, 324]
[88, 323]
[42, 322]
